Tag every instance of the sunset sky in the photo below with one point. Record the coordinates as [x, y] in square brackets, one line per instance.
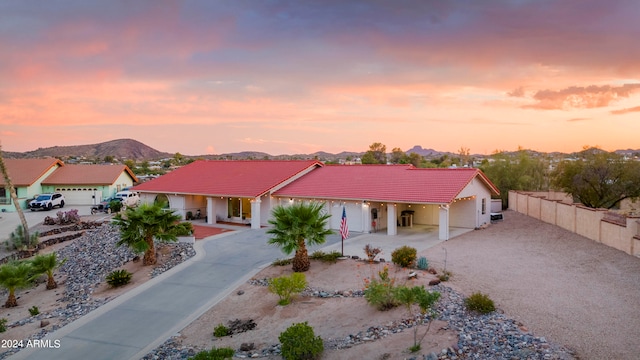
[283, 77]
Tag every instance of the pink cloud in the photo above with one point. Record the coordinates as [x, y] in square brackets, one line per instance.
[581, 97]
[626, 111]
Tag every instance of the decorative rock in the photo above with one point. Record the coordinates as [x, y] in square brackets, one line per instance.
[89, 259]
[434, 282]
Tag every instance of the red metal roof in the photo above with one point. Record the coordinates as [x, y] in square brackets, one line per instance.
[387, 183]
[245, 178]
[87, 175]
[25, 172]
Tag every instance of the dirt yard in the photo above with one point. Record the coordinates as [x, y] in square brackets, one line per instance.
[573, 291]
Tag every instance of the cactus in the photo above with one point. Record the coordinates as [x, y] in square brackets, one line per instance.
[422, 264]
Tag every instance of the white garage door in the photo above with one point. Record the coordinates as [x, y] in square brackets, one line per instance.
[79, 196]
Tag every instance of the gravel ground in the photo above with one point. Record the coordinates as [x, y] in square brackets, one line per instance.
[572, 290]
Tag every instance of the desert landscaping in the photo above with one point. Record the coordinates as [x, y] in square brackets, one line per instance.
[562, 296]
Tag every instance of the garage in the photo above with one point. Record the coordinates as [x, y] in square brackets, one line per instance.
[81, 196]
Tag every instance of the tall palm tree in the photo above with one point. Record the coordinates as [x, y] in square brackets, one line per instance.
[46, 264]
[14, 197]
[139, 227]
[297, 225]
[15, 275]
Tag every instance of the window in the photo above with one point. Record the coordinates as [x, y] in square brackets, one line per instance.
[484, 206]
[4, 198]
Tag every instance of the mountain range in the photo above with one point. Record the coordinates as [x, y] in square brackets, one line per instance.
[132, 149]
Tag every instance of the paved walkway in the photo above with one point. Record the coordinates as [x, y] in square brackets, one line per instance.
[135, 323]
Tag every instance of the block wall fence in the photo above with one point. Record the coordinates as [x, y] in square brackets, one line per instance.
[600, 225]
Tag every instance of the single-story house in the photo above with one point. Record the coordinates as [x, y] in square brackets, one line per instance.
[225, 191]
[390, 196]
[80, 184]
[88, 184]
[375, 197]
[26, 176]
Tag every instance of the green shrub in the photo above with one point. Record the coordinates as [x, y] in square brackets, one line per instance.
[422, 263]
[479, 302]
[115, 206]
[300, 343]
[221, 331]
[118, 278]
[281, 262]
[380, 292]
[3, 325]
[34, 310]
[285, 286]
[404, 256]
[331, 257]
[215, 354]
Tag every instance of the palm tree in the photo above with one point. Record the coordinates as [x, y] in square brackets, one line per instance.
[15, 275]
[46, 264]
[14, 197]
[295, 226]
[139, 227]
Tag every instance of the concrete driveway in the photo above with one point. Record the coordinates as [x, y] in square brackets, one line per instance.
[135, 323]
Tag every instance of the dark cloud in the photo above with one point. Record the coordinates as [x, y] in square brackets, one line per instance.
[593, 96]
[626, 110]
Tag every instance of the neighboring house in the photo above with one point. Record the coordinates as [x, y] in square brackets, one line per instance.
[26, 176]
[388, 196]
[80, 184]
[229, 191]
[374, 196]
[89, 184]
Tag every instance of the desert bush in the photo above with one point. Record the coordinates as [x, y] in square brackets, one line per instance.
[371, 252]
[34, 310]
[479, 302]
[221, 331]
[300, 343]
[404, 256]
[380, 292]
[425, 300]
[331, 257]
[215, 354]
[17, 240]
[422, 263]
[281, 262]
[445, 276]
[118, 278]
[68, 217]
[3, 325]
[286, 286]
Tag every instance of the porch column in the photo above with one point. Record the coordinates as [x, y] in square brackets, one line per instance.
[255, 213]
[392, 219]
[443, 224]
[211, 211]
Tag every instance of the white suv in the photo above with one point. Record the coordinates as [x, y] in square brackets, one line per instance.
[47, 201]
